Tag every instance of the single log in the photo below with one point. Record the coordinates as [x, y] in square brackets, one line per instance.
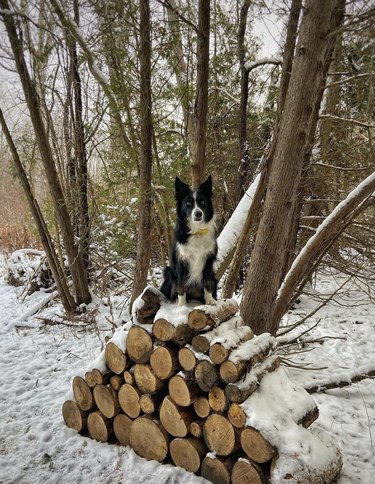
[187, 358]
[146, 380]
[99, 427]
[217, 469]
[145, 314]
[222, 346]
[122, 425]
[245, 356]
[246, 472]
[196, 428]
[206, 374]
[202, 407]
[128, 398]
[239, 391]
[255, 446]
[115, 358]
[73, 416]
[163, 330]
[202, 342]
[164, 362]
[106, 400]
[149, 439]
[220, 435]
[217, 399]
[139, 344]
[188, 453]
[82, 393]
[237, 417]
[309, 418]
[183, 390]
[205, 316]
[129, 376]
[101, 378]
[151, 403]
[89, 379]
[175, 419]
[116, 382]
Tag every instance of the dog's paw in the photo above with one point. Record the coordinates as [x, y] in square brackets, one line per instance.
[181, 301]
[208, 299]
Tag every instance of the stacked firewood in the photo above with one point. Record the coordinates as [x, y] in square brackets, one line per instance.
[174, 386]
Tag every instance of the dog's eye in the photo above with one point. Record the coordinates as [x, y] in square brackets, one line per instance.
[189, 204]
[202, 203]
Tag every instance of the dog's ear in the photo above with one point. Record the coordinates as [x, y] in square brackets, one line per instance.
[207, 186]
[181, 189]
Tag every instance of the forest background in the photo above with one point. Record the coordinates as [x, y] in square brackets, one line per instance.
[103, 103]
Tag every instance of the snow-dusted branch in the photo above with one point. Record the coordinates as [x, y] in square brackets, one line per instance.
[249, 66]
[346, 120]
[343, 379]
[348, 79]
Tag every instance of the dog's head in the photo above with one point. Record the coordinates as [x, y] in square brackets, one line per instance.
[194, 207]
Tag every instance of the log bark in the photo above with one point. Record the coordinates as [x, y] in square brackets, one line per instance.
[183, 390]
[82, 394]
[188, 453]
[146, 380]
[116, 382]
[163, 330]
[207, 316]
[128, 398]
[122, 425]
[246, 472]
[206, 375]
[202, 342]
[100, 427]
[152, 300]
[220, 435]
[164, 362]
[202, 407]
[175, 419]
[74, 417]
[255, 351]
[139, 344]
[255, 446]
[106, 400]
[217, 400]
[238, 392]
[149, 439]
[217, 469]
[220, 351]
[115, 358]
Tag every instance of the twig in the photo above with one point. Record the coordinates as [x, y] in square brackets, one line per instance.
[322, 387]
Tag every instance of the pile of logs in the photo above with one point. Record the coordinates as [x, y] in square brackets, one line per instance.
[175, 391]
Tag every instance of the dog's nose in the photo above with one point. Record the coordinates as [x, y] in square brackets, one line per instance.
[198, 214]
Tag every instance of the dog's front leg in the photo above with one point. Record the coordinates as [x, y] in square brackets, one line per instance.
[181, 293]
[209, 282]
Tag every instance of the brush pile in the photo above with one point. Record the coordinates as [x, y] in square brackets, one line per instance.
[195, 386]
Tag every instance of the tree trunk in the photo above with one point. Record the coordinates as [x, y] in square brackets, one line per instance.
[201, 100]
[144, 201]
[267, 262]
[78, 270]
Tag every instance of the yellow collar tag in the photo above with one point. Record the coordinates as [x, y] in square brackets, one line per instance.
[201, 232]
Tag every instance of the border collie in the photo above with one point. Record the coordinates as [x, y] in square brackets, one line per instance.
[190, 273]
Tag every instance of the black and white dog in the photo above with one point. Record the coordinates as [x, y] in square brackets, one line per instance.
[190, 273]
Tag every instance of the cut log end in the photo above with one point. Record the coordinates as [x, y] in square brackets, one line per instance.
[206, 374]
[149, 439]
[219, 435]
[237, 416]
[217, 469]
[202, 407]
[128, 398]
[188, 453]
[175, 419]
[99, 427]
[122, 426]
[146, 379]
[183, 391]
[246, 472]
[106, 400]
[164, 362]
[256, 447]
[82, 394]
[115, 358]
[139, 344]
[217, 400]
[73, 416]
[187, 359]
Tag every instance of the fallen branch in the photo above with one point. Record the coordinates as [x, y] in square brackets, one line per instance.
[345, 380]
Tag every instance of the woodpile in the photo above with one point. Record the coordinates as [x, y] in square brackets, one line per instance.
[180, 391]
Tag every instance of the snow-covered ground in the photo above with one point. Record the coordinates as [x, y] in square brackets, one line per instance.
[38, 360]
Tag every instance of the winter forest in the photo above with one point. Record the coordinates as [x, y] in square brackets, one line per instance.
[102, 105]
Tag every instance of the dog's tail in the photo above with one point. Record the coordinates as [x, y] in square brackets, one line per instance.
[166, 287]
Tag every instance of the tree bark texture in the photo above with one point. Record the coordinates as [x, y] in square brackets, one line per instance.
[78, 269]
[201, 101]
[267, 262]
[144, 203]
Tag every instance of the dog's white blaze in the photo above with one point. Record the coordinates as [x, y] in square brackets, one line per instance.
[196, 250]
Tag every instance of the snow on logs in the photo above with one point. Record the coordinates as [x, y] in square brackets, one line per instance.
[196, 385]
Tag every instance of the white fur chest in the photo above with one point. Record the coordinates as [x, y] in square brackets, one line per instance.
[195, 253]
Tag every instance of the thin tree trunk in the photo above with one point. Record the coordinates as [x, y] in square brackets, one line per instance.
[52, 258]
[78, 270]
[144, 202]
[267, 262]
[201, 101]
